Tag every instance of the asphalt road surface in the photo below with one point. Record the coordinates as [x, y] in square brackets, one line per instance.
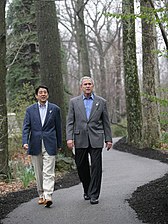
[122, 174]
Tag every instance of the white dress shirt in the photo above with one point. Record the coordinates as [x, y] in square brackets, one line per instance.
[43, 111]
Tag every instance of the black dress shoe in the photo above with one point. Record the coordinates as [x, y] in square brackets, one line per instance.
[86, 197]
[94, 201]
[47, 203]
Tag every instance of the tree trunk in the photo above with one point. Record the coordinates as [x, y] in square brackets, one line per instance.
[118, 78]
[132, 92]
[50, 55]
[151, 128]
[103, 75]
[3, 108]
[84, 68]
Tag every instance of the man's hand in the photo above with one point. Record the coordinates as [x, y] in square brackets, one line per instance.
[70, 144]
[109, 145]
[25, 146]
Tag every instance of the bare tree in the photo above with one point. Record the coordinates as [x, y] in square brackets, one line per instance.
[82, 47]
[115, 89]
[3, 109]
[102, 36]
[164, 34]
[99, 33]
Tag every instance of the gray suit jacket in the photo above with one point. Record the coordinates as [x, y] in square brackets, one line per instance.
[96, 129]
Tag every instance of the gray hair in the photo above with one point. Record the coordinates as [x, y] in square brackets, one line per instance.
[86, 77]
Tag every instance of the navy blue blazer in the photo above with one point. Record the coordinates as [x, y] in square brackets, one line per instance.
[51, 132]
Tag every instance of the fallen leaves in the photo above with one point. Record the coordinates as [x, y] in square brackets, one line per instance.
[13, 186]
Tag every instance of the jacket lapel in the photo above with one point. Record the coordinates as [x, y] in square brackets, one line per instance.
[49, 111]
[81, 106]
[95, 106]
[37, 113]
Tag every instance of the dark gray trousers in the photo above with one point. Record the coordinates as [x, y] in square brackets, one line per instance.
[90, 174]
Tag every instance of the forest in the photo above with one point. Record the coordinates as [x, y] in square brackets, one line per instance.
[121, 44]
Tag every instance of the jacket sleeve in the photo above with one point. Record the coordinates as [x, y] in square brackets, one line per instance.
[59, 128]
[70, 122]
[106, 124]
[26, 128]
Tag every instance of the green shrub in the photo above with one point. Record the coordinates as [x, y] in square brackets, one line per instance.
[64, 163]
[164, 137]
[119, 129]
[14, 145]
[19, 170]
[24, 98]
[27, 176]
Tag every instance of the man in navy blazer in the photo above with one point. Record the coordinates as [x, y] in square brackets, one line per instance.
[42, 137]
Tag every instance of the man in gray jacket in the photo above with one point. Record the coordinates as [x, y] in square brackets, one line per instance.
[87, 129]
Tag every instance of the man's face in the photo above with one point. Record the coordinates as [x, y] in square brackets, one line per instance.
[42, 96]
[87, 87]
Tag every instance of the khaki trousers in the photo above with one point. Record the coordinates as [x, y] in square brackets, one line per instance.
[44, 168]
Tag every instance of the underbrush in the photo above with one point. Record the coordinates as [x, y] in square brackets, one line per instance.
[164, 140]
[119, 129]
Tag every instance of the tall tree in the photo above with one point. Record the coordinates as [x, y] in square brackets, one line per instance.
[132, 91]
[22, 47]
[82, 47]
[50, 54]
[151, 129]
[3, 109]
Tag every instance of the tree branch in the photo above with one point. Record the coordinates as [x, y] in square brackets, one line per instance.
[13, 61]
[2, 36]
[160, 26]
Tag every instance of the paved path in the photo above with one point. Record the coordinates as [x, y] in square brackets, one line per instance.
[122, 174]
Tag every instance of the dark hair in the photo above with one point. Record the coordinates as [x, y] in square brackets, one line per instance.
[41, 86]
